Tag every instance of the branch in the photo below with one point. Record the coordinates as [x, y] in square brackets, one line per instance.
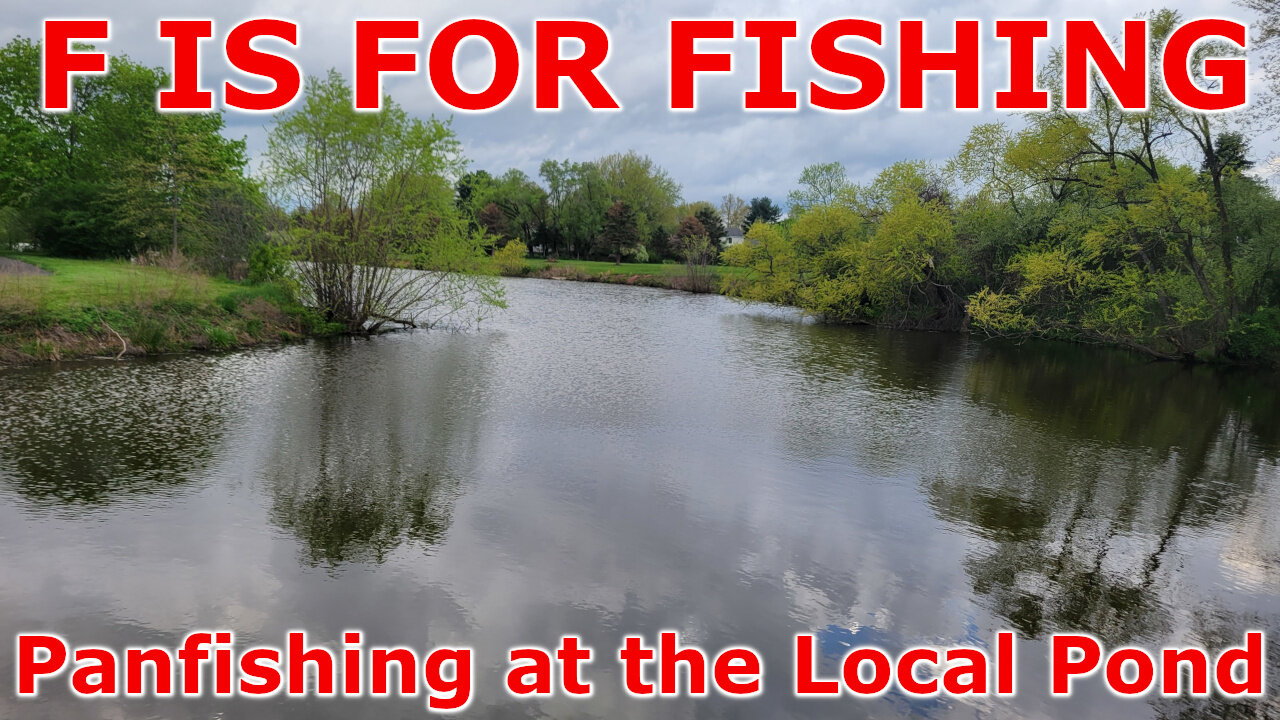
[124, 347]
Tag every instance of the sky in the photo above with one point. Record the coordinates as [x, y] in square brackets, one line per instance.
[718, 149]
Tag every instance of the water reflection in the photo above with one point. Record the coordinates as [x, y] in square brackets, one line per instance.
[603, 461]
[98, 435]
[361, 517]
[366, 454]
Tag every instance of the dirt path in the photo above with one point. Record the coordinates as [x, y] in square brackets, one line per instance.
[9, 266]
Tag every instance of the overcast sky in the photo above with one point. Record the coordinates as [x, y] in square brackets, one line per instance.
[718, 149]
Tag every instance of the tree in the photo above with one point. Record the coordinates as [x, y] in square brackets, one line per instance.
[1233, 154]
[711, 222]
[733, 211]
[824, 227]
[769, 257]
[164, 191]
[1264, 47]
[113, 176]
[690, 227]
[762, 209]
[494, 222]
[698, 252]
[473, 188]
[576, 202]
[820, 184]
[621, 233]
[510, 258]
[523, 204]
[375, 197]
[235, 219]
[644, 187]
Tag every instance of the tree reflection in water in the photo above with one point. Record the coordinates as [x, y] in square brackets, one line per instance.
[95, 435]
[1082, 509]
[368, 452]
[1094, 491]
[344, 518]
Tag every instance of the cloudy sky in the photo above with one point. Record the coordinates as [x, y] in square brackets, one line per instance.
[718, 149]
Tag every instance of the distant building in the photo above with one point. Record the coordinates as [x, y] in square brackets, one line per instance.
[732, 237]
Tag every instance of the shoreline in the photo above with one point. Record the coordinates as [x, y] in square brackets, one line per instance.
[572, 272]
[163, 317]
[87, 309]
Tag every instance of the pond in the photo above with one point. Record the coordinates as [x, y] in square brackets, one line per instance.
[605, 461]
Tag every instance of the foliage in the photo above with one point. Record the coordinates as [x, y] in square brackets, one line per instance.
[621, 232]
[1144, 230]
[733, 211]
[114, 177]
[565, 210]
[820, 185]
[695, 246]
[771, 263]
[1255, 338]
[271, 263]
[509, 260]
[711, 222]
[373, 195]
[761, 209]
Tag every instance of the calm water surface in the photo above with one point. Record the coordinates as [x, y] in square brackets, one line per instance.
[606, 461]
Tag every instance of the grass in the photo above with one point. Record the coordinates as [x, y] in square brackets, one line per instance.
[106, 307]
[80, 284]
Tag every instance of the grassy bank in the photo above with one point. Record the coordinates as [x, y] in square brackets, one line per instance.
[663, 275]
[90, 308]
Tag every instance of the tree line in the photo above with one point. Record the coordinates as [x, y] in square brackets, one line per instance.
[113, 177]
[1145, 230]
[1138, 229]
[622, 206]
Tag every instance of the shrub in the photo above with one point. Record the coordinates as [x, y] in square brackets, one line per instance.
[1255, 338]
[510, 259]
[271, 263]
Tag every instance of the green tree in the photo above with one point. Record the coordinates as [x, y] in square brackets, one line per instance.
[577, 201]
[711, 222]
[772, 266]
[761, 209]
[621, 233]
[472, 189]
[375, 197]
[822, 228]
[1233, 154]
[644, 187]
[821, 184]
[165, 190]
[113, 176]
[523, 204]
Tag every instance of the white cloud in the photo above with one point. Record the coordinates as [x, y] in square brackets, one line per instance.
[718, 149]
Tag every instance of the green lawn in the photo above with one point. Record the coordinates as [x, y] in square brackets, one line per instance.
[77, 284]
[111, 307]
